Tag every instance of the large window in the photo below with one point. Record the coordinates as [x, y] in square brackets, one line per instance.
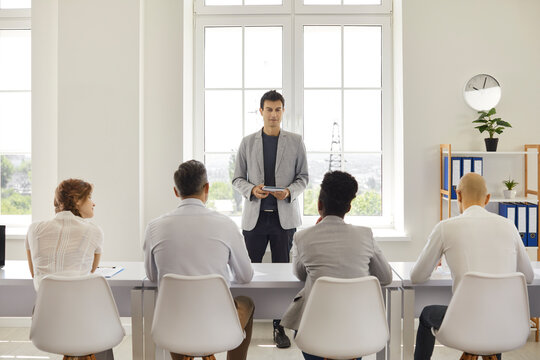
[334, 70]
[15, 115]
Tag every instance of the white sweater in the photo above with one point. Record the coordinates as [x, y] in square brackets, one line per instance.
[477, 240]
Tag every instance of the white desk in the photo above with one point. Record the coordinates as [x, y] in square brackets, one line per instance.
[272, 289]
[17, 295]
[438, 291]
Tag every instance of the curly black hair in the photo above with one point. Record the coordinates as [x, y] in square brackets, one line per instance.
[338, 189]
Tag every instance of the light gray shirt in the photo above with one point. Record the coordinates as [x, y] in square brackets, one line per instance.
[193, 240]
[333, 248]
[476, 240]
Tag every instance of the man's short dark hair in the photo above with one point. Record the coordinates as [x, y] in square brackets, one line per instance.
[190, 178]
[272, 95]
[338, 189]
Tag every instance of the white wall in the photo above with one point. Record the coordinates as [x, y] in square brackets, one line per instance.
[444, 44]
[120, 102]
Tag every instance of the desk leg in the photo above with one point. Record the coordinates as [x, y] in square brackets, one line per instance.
[149, 300]
[393, 316]
[408, 324]
[137, 324]
[394, 322]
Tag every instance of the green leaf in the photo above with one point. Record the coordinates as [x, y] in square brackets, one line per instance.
[504, 123]
[482, 128]
[480, 121]
[499, 130]
[492, 112]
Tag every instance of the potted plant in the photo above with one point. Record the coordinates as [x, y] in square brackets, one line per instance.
[492, 126]
[510, 184]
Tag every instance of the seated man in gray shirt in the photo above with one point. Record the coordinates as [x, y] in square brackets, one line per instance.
[193, 240]
[333, 247]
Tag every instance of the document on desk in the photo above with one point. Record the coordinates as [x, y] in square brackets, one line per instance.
[108, 271]
[537, 272]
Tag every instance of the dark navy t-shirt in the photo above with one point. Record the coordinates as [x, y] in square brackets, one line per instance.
[269, 154]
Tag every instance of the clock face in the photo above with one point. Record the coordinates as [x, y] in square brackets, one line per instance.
[482, 92]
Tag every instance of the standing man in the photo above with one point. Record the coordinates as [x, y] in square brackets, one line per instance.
[271, 157]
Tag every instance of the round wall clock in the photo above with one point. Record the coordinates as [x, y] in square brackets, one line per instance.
[482, 92]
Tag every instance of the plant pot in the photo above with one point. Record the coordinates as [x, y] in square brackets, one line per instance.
[491, 144]
[509, 194]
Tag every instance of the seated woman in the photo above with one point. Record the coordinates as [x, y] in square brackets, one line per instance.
[68, 244]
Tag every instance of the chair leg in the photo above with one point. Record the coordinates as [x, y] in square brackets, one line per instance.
[489, 357]
[536, 321]
[467, 356]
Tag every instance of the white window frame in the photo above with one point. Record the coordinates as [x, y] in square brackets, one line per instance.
[15, 19]
[384, 8]
[386, 220]
[245, 21]
[297, 15]
[201, 8]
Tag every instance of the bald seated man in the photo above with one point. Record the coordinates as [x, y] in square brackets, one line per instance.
[476, 240]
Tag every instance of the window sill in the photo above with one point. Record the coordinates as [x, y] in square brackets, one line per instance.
[390, 235]
[16, 232]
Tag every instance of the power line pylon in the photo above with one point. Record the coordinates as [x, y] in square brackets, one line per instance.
[334, 162]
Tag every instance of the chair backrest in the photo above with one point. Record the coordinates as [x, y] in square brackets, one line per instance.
[488, 314]
[343, 318]
[196, 315]
[75, 316]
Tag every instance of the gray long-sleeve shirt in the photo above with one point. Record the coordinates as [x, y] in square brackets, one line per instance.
[194, 240]
[333, 248]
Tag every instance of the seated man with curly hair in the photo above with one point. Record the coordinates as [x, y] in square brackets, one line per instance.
[333, 247]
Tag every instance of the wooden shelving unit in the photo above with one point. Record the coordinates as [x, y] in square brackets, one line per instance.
[530, 195]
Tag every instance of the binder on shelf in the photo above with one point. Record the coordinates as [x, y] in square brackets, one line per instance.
[2, 245]
[467, 165]
[478, 165]
[532, 228]
[521, 221]
[508, 210]
[455, 170]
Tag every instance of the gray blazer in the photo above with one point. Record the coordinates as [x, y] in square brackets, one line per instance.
[291, 172]
[333, 248]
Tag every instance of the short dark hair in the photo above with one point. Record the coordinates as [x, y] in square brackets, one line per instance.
[272, 95]
[190, 178]
[338, 189]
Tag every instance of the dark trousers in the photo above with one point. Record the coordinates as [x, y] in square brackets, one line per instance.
[432, 317]
[245, 308]
[268, 229]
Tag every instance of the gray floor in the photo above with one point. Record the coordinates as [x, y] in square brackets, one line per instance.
[14, 344]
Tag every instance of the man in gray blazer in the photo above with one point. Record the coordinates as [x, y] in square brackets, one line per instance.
[332, 247]
[276, 158]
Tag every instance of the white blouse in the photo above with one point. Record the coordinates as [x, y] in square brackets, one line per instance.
[64, 245]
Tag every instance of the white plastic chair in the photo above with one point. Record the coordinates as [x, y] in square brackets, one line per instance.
[196, 316]
[75, 316]
[488, 314]
[343, 319]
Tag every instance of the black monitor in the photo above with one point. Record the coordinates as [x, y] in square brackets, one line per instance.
[2, 245]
